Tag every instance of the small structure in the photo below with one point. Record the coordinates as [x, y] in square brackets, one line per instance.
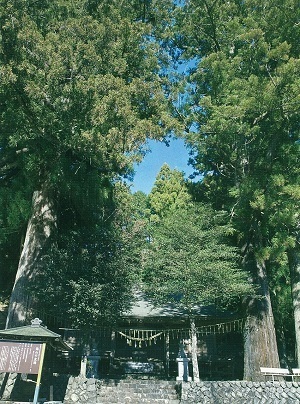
[183, 366]
[22, 351]
[35, 332]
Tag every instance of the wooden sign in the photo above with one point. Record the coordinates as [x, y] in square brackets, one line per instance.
[20, 357]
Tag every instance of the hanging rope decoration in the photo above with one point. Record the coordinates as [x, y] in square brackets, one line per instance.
[136, 337]
[222, 328]
[180, 333]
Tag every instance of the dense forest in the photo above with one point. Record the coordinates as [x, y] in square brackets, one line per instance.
[84, 85]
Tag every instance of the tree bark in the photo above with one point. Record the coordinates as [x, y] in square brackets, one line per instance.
[260, 344]
[196, 377]
[294, 265]
[40, 227]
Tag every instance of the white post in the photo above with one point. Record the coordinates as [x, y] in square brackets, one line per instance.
[38, 382]
[183, 365]
[183, 370]
[83, 366]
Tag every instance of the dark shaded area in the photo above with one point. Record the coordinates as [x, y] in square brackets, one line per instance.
[53, 387]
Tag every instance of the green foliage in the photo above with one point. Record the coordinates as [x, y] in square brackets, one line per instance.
[244, 102]
[280, 287]
[190, 262]
[88, 274]
[15, 210]
[80, 86]
[169, 193]
[79, 280]
[245, 105]
[80, 92]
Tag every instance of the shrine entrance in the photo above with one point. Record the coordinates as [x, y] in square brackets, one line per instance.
[154, 351]
[147, 341]
[140, 351]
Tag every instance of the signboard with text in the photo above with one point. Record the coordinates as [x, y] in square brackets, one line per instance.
[20, 357]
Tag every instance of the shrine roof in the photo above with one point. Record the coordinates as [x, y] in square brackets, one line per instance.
[142, 307]
[29, 331]
[35, 331]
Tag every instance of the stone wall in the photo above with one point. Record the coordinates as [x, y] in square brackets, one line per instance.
[7, 383]
[122, 390]
[64, 388]
[81, 391]
[240, 392]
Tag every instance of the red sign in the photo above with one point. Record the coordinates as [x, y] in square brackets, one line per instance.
[20, 357]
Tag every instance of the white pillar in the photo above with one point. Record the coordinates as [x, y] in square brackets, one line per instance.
[183, 370]
[83, 366]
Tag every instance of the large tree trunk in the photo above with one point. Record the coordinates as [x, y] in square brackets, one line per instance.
[40, 227]
[194, 351]
[294, 264]
[260, 345]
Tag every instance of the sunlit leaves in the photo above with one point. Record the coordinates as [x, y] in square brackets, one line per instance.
[190, 262]
[169, 193]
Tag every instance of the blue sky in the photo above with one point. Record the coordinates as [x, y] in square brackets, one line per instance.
[175, 155]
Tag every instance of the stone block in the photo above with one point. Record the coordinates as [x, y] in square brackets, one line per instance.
[91, 387]
[90, 381]
[74, 397]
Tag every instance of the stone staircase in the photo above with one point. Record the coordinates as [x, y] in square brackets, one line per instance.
[137, 391]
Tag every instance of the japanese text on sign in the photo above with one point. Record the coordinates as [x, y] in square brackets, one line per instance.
[20, 357]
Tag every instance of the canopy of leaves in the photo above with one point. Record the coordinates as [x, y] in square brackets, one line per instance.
[80, 86]
[87, 275]
[190, 262]
[169, 193]
[245, 103]
[80, 92]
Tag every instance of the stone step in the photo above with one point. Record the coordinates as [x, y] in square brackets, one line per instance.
[141, 385]
[145, 391]
[136, 391]
[136, 380]
[125, 400]
[132, 400]
[141, 394]
[138, 388]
